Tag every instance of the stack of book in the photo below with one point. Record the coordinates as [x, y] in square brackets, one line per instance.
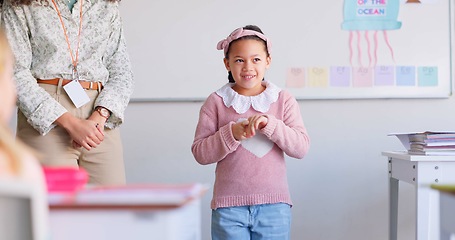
[432, 143]
[429, 142]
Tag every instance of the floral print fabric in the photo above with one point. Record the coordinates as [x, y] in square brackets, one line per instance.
[41, 51]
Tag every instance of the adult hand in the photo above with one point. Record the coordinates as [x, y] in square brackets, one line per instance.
[84, 133]
[99, 120]
[100, 128]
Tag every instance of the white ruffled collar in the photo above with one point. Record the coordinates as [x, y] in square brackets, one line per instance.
[241, 104]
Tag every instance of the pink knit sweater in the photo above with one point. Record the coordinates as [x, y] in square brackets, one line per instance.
[252, 171]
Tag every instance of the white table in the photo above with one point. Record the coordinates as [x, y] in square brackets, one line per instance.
[447, 210]
[133, 220]
[420, 171]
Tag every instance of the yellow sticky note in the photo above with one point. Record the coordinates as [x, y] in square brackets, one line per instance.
[318, 77]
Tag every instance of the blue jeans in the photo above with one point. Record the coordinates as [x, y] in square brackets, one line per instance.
[266, 221]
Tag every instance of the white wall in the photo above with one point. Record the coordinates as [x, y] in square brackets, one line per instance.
[339, 190]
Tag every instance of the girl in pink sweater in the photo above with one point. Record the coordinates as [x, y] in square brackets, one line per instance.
[245, 127]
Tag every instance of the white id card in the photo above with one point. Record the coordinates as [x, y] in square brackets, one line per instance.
[76, 93]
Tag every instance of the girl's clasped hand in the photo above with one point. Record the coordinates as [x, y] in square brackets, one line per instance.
[247, 128]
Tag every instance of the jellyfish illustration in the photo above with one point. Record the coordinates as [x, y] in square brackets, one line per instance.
[370, 15]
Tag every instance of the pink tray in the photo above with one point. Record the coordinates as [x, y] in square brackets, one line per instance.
[65, 179]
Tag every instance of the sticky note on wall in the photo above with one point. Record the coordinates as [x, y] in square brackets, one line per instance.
[340, 76]
[384, 76]
[406, 75]
[318, 77]
[427, 76]
[362, 77]
[295, 77]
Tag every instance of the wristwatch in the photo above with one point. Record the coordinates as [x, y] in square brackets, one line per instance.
[103, 112]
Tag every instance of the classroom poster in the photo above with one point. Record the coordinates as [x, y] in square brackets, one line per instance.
[320, 49]
[383, 57]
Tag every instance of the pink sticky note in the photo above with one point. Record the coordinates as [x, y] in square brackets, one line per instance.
[362, 77]
[295, 78]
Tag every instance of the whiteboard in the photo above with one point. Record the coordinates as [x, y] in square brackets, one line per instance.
[172, 46]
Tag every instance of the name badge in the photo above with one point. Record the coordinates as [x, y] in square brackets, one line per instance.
[76, 93]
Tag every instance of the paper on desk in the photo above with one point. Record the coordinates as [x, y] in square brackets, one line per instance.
[405, 140]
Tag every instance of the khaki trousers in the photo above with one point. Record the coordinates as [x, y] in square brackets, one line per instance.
[104, 163]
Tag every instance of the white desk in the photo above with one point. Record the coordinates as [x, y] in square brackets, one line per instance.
[23, 210]
[112, 221]
[447, 218]
[420, 171]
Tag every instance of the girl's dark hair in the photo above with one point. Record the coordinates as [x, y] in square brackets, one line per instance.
[253, 28]
[28, 2]
[247, 27]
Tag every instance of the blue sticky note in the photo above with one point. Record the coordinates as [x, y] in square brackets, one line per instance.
[427, 76]
[406, 75]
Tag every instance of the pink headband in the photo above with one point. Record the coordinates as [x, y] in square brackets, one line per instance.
[238, 33]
